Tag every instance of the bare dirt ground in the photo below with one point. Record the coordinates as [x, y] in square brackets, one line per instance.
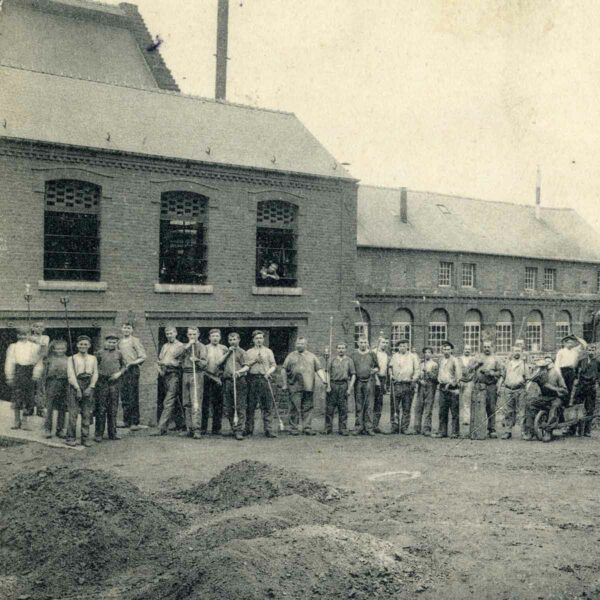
[407, 516]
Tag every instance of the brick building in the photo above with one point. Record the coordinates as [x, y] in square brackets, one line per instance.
[136, 201]
[433, 267]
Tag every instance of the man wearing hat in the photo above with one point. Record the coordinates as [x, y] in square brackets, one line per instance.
[588, 375]
[82, 372]
[486, 378]
[568, 357]
[405, 372]
[261, 363]
[383, 360]
[514, 377]
[22, 369]
[111, 366]
[426, 392]
[449, 375]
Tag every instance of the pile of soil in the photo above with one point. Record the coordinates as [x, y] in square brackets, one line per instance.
[64, 529]
[250, 482]
[298, 563]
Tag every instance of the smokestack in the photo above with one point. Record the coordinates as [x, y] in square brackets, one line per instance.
[403, 205]
[222, 33]
[538, 194]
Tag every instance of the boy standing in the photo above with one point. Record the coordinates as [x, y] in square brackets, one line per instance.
[134, 355]
[82, 371]
[110, 369]
[342, 376]
[22, 369]
[57, 388]
[193, 363]
[213, 388]
[169, 365]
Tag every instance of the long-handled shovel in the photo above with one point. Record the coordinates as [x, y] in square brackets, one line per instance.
[281, 426]
[195, 407]
[235, 412]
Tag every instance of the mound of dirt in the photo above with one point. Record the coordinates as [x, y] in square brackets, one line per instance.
[250, 482]
[64, 529]
[298, 563]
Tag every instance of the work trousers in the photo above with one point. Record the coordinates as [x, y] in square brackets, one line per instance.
[587, 395]
[449, 402]
[39, 398]
[378, 403]
[568, 374]
[301, 407]
[192, 398]
[510, 401]
[77, 406]
[402, 401]
[364, 392]
[424, 406]
[212, 402]
[107, 404]
[240, 405]
[130, 396]
[258, 396]
[172, 382]
[337, 399]
[23, 388]
[466, 392]
[549, 403]
[491, 397]
[57, 390]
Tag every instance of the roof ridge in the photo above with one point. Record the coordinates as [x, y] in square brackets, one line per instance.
[149, 90]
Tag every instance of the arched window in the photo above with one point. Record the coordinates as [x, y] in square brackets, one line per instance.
[72, 230]
[438, 329]
[534, 331]
[563, 326]
[183, 227]
[401, 327]
[472, 330]
[276, 233]
[504, 331]
[361, 325]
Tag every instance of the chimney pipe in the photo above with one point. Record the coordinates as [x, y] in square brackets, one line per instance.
[538, 194]
[403, 205]
[222, 34]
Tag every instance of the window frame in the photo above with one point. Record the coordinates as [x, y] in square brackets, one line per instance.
[531, 271]
[443, 276]
[361, 328]
[549, 271]
[562, 329]
[469, 327]
[469, 270]
[529, 328]
[434, 341]
[399, 331]
[502, 327]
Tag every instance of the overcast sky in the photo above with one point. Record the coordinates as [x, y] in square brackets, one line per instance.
[454, 96]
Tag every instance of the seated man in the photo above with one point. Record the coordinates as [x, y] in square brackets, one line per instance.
[270, 272]
[551, 396]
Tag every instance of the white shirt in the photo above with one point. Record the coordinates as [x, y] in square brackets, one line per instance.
[82, 363]
[382, 361]
[405, 367]
[24, 353]
[568, 357]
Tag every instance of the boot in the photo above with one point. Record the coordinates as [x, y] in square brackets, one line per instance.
[17, 419]
[24, 426]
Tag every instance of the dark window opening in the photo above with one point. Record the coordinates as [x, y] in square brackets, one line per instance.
[72, 231]
[183, 251]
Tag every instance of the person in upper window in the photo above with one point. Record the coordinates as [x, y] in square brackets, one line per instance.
[270, 272]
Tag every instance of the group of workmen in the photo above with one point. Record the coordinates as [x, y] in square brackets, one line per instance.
[208, 381]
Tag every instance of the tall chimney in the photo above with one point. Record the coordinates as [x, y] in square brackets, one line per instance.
[538, 194]
[222, 33]
[403, 205]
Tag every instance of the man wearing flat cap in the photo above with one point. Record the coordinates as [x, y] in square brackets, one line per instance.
[426, 394]
[448, 381]
[568, 357]
[405, 372]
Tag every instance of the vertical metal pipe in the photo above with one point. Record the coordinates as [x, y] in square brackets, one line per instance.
[222, 35]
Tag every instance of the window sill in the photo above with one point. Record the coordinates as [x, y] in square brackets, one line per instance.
[177, 288]
[276, 291]
[73, 286]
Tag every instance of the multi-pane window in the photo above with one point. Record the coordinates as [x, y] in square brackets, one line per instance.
[503, 337]
[549, 279]
[563, 329]
[598, 282]
[468, 275]
[445, 274]
[183, 221]
[401, 331]
[72, 230]
[530, 278]
[361, 329]
[533, 337]
[276, 233]
[472, 335]
[437, 335]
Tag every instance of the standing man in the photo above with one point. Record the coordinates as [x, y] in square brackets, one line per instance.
[448, 380]
[213, 387]
[405, 373]
[468, 364]
[567, 358]
[383, 359]
[235, 367]
[488, 374]
[514, 377]
[261, 363]
[342, 376]
[82, 372]
[57, 387]
[134, 355]
[300, 368]
[588, 375]
[426, 393]
[365, 363]
[169, 368]
[193, 365]
[43, 341]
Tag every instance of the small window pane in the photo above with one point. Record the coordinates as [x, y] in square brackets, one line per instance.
[533, 337]
[438, 333]
[468, 275]
[530, 278]
[445, 275]
[503, 337]
[472, 336]
[549, 279]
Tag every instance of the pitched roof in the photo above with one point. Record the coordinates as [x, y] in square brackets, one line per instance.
[454, 224]
[63, 110]
[83, 39]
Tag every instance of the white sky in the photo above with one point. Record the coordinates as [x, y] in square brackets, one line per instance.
[455, 96]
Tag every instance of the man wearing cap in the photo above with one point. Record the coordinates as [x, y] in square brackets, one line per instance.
[300, 368]
[261, 363]
[193, 364]
[82, 372]
[342, 376]
[567, 358]
[169, 368]
[449, 375]
[405, 372]
[486, 379]
[383, 360]
[134, 355]
[111, 366]
[366, 366]
[22, 369]
[588, 375]
[426, 393]
[514, 377]
[468, 364]
[213, 387]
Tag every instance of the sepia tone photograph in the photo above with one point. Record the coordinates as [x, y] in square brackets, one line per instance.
[299, 299]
